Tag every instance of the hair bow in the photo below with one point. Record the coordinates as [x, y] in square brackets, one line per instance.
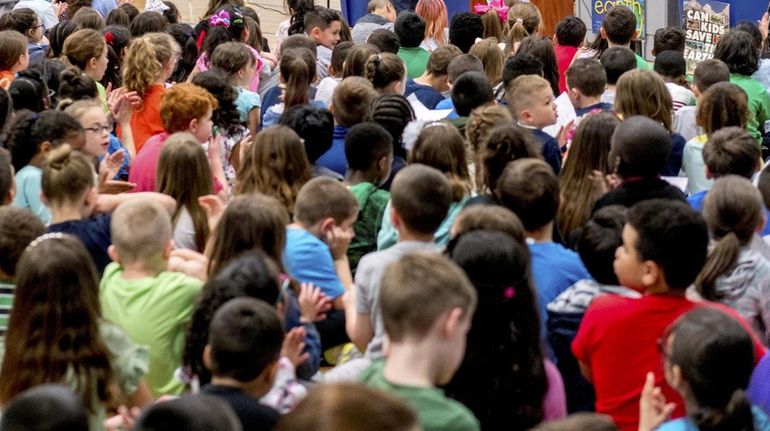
[509, 293]
[496, 5]
[155, 6]
[109, 37]
[222, 18]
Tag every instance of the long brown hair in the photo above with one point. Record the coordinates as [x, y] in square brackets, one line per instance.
[733, 210]
[643, 92]
[441, 146]
[590, 151]
[252, 221]
[723, 105]
[275, 165]
[297, 72]
[53, 332]
[185, 175]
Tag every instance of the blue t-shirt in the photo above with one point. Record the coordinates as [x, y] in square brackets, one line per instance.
[761, 423]
[425, 94]
[674, 164]
[334, 158]
[759, 386]
[309, 260]
[94, 233]
[554, 269]
[550, 149]
[246, 101]
[115, 145]
[448, 104]
[28, 189]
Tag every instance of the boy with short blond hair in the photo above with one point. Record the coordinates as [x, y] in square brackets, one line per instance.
[427, 305]
[530, 100]
[139, 294]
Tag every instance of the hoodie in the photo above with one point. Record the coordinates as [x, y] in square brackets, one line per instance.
[366, 25]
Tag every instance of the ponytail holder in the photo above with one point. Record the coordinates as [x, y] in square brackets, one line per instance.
[109, 37]
[221, 19]
[379, 59]
[519, 21]
[509, 293]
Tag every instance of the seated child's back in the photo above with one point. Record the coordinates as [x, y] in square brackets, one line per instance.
[151, 304]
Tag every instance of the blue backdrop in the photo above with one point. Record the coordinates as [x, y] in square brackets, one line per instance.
[354, 9]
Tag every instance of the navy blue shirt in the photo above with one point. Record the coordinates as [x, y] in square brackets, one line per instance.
[601, 106]
[425, 94]
[94, 233]
[550, 149]
[253, 415]
[674, 164]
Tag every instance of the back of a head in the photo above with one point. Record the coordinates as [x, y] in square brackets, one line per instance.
[489, 217]
[709, 72]
[504, 144]
[322, 198]
[88, 17]
[245, 337]
[736, 48]
[715, 355]
[529, 188]
[352, 100]
[6, 177]
[76, 85]
[440, 58]
[440, 145]
[356, 59]
[753, 30]
[673, 236]
[314, 125]
[421, 196]
[571, 31]
[670, 64]
[464, 28]
[461, 64]
[339, 53]
[18, 228]
[668, 39]
[643, 92]
[410, 29]
[521, 64]
[640, 147]
[183, 103]
[28, 91]
[13, 45]
[383, 70]
[140, 230]
[588, 76]
[385, 40]
[298, 41]
[148, 22]
[481, 121]
[723, 105]
[524, 20]
[190, 413]
[366, 144]
[620, 25]
[417, 289]
[731, 151]
[617, 60]
[349, 407]
[471, 90]
[393, 112]
[45, 408]
[67, 175]
[598, 241]
[580, 422]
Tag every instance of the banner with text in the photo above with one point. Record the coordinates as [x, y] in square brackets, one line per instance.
[600, 7]
[705, 22]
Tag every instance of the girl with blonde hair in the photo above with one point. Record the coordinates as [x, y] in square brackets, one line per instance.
[524, 20]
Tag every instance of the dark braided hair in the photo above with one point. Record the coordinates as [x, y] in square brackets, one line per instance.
[393, 112]
[297, 21]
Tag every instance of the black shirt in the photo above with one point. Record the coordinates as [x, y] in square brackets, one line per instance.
[637, 190]
[253, 415]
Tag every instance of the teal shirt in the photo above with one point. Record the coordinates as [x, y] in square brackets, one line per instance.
[28, 190]
[641, 63]
[759, 104]
[416, 60]
[434, 410]
[389, 235]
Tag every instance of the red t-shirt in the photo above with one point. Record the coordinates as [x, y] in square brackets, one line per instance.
[564, 56]
[617, 340]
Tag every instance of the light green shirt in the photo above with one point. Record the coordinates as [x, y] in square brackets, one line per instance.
[759, 104]
[434, 410]
[416, 60]
[154, 311]
[641, 63]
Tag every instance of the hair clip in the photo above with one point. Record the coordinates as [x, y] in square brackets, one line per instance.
[222, 18]
[156, 6]
[519, 21]
[44, 237]
[438, 123]
[109, 37]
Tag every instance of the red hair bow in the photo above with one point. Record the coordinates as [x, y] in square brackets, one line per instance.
[109, 37]
[496, 5]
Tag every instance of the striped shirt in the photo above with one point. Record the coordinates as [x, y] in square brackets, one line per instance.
[6, 301]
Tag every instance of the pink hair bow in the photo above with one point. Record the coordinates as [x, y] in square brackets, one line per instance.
[497, 5]
[223, 18]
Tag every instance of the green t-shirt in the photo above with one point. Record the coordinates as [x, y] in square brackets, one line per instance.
[641, 63]
[416, 60]
[372, 201]
[759, 104]
[154, 311]
[434, 410]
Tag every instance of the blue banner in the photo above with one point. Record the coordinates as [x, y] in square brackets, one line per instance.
[600, 7]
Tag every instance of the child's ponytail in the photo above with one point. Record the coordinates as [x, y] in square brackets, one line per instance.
[383, 69]
[67, 175]
[297, 72]
[733, 209]
[146, 59]
[117, 39]
[737, 415]
[227, 25]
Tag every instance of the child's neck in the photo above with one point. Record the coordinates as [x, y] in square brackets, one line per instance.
[528, 125]
[38, 160]
[612, 45]
[430, 80]
[405, 234]
[543, 234]
[412, 364]
[138, 270]
[358, 177]
[252, 389]
[63, 212]
[585, 101]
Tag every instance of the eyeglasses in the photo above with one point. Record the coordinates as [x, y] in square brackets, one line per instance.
[99, 128]
[39, 26]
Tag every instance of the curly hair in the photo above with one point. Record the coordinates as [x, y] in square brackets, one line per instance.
[276, 165]
[146, 59]
[226, 116]
[183, 103]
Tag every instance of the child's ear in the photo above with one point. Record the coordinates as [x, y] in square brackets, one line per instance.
[453, 322]
[327, 224]
[395, 219]
[45, 147]
[193, 125]
[268, 375]
[331, 108]
[382, 164]
[331, 70]
[555, 40]
[652, 273]
[168, 248]
[709, 176]
[695, 90]
[92, 62]
[526, 116]
[207, 357]
[112, 252]
[602, 32]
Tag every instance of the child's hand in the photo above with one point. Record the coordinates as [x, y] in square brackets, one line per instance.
[214, 207]
[114, 187]
[189, 262]
[561, 136]
[110, 165]
[653, 410]
[215, 147]
[338, 240]
[124, 420]
[313, 303]
[244, 146]
[763, 25]
[119, 103]
[294, 346]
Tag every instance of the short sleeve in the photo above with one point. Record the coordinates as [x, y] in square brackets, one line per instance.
[363, 287]
[129, 361]
[309, 260]
[583, 343]
[387, 235]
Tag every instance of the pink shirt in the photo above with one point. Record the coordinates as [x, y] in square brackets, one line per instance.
[144, 168]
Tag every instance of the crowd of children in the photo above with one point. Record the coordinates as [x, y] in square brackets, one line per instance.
[379, 225]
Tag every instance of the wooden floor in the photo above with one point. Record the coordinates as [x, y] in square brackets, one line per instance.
[271, 12]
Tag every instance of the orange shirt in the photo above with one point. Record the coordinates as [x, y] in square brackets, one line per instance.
[6, 76]
[145, 121]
